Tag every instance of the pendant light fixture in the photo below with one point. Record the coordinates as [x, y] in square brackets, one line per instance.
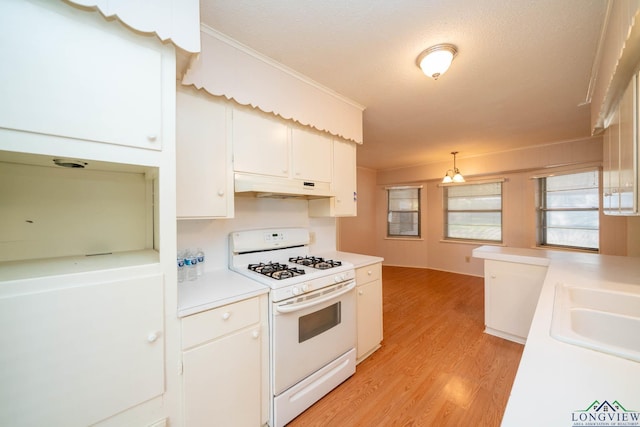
[453, 175]
[436, 60]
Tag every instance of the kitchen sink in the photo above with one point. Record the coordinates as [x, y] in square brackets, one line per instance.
[602, 319]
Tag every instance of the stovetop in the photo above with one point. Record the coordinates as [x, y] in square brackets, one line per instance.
[280, 259]
[281, 271]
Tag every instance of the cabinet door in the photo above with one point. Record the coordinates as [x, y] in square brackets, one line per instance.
[344, 178]
[511, 296]
[260, 145]
[203, 160]
[369, 317]
[312, 154]
[81, 353]
[76, 75]
[607, 142]
[344, 184]
[614, 164]
[222, 381]
[627, 174]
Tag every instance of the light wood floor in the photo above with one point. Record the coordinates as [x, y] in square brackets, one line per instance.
[436, 367]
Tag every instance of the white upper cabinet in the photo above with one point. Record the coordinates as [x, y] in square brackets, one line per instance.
[344, 184]
[312, 155]
[69, 76]
[174, 20]
[620, 157]
[260, 145]
[204, 179]
[344, 178]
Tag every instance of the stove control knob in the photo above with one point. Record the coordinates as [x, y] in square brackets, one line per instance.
[305, 287]
[295, 290]
[339, 278]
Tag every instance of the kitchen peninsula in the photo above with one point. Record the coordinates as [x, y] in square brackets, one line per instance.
[557, 381]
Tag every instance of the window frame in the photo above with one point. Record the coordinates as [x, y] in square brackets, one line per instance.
[418, 213]
[447, 211]
[542, 209]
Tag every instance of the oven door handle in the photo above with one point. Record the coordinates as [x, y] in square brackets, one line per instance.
[290, 308]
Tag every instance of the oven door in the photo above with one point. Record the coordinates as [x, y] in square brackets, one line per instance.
[310, 331]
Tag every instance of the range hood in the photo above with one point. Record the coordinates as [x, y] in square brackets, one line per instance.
[280, 187]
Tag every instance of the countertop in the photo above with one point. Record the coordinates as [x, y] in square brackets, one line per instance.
[358, 260]
[221, 287]
[214, 289]
[557, 382]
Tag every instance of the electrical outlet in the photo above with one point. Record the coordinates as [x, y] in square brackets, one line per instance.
[467, 259]
[312, 237]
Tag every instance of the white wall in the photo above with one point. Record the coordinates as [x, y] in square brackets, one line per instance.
[253, 213]
[517, 167]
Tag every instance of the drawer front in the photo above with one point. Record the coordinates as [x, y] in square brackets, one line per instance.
[368, 273]
[211, 324]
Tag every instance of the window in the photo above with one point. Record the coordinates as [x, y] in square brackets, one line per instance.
[403, 213]
[473, 212]
[568, 210]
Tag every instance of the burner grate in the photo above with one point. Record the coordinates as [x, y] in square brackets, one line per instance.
[315, 262]
[276, 270]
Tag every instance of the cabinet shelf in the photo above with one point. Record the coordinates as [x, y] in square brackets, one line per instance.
[28, 269]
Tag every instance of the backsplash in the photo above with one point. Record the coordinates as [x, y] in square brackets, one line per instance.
[251, 213]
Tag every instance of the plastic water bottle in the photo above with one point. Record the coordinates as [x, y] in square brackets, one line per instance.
[181, 270]
[190, 262]
[200, 265]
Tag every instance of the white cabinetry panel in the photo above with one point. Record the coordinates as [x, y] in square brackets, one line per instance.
[79, 354]
[620, 157]
[344, 184]
[312, 155]
[369, 310]
[222, 381]
[203, 157]
[511, 296]
[225, 365]
[260, 145]
[71, 76]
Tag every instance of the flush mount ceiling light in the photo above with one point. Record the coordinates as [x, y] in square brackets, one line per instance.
[436, 60]
[453, 175]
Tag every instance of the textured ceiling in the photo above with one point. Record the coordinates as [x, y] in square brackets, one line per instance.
[520, 78]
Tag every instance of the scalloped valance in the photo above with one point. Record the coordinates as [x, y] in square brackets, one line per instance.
[227, 68]
[177, 21]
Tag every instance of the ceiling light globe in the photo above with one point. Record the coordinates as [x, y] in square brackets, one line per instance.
[436, 60]
[447, 179]
[458, 178]
[436, 63]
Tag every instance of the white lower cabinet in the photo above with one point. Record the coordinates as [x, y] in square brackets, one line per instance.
[369, 310]
[78, 349]
[511, 292]
[225, 366]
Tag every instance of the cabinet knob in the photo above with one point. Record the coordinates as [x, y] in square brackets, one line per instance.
[493, 276]
[153, 336]
[226, 316]
[360, 293]
[255, 334]
[152, 137]
[369, 272]
[220, 193]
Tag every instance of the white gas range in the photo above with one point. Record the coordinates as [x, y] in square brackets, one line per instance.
[312, 313]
